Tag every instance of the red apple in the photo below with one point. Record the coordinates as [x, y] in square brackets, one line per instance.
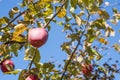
[87, 69]
[32, 77]
[7, 65]
[37, 36]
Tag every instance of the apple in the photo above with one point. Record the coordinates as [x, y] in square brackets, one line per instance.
[37, 37]
[87, 69]
[7, 65]
[32, 77]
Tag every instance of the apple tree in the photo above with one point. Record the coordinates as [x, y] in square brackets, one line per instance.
[90, 27]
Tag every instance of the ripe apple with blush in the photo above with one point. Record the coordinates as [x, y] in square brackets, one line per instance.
[32, 77]
[87, 69]
[37, 37]
[7, 65]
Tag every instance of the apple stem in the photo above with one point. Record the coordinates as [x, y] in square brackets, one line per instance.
[30, 65]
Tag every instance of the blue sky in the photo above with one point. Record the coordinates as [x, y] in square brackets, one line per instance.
[52, 47]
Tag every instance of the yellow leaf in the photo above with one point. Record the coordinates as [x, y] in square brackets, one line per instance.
[62, 13]
[78, 20]
[46, 1]
[102, 40]
[20, 28]
[18, 39]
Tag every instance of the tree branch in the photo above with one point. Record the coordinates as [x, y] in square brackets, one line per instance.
[79, 42]
[54, 15]
[34, 55]
[13, 19]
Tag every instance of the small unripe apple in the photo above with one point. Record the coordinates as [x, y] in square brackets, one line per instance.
[87, 69]
[7, 66]
[37, 36]
[32, 77]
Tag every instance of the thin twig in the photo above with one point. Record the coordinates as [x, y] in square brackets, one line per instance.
[54, 15]
[79, 42]
[13, 19]
[34, 55]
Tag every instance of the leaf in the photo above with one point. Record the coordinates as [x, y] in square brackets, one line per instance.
[37, 57]
[74, 3]
[29, 53]
[22, 75]
[14, 48]
[18, 38]
[116, 47]
[48, 12]
[13, 72]
[78, 20]
[102, 40]
[93, 53]
[65, 47]
[62, 13]
[15, 10]
[46, 1]
[103, 14]
[11, 14]
[80, 59]
[47, 67]
[98, 56]
[115, 10]
[19, 29]
[109, 32]
[101, 68]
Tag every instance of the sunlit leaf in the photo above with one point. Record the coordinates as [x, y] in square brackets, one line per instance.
[99, 23]
[47, 1]
[47, 67]
[14, 72]
[116, 47]
[15, 10]
[62, 12]
[18, 38]
[78, 20]
[103, 14]
[29, 53]
[101, 68]
[48, 12]
[80, 58]
[65, 47]
[102, 40]
[19, 29]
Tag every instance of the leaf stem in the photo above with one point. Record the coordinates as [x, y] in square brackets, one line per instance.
[34, 55]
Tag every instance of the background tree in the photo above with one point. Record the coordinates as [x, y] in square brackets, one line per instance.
[88, 26]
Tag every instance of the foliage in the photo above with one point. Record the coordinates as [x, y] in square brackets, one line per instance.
[87, 23]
